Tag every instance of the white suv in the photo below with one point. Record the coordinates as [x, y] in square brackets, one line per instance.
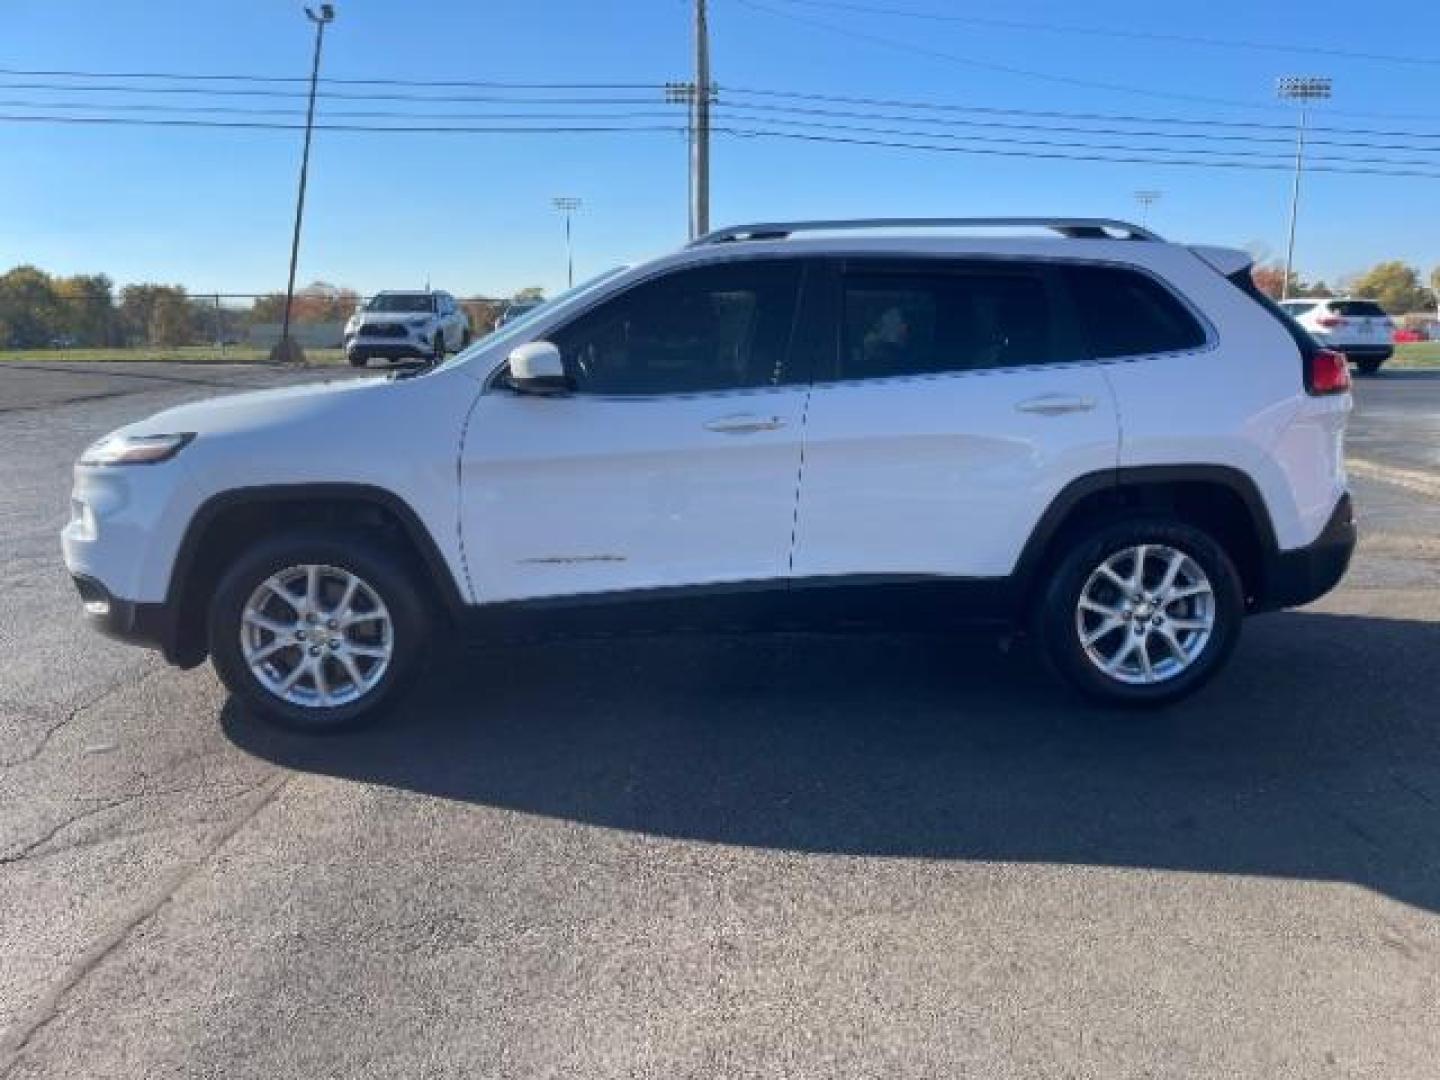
[1109, 440]
[1358, 328]
[406, 326]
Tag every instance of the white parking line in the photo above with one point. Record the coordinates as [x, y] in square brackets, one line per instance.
[1421, 482]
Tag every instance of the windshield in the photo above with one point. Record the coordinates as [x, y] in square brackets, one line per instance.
[402, 302]
[518, 326]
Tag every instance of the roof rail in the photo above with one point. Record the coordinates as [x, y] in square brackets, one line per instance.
[1072, 228]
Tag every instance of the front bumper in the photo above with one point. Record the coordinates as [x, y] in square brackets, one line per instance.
[1304, 574]
[151, 626]
[389, 350]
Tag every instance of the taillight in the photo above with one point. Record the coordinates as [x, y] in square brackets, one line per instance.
[1326, 372]
[1331, 322]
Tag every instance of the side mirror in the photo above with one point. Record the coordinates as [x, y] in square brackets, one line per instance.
[536, 368]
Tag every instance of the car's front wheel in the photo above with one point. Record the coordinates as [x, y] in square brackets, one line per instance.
[317, 631]
[1369, 366]
[1141, 612]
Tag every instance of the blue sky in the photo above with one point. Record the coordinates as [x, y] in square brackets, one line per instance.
[212, 209]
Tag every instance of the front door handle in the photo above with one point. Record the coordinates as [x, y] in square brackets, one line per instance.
[1056, 404]
[744, 424]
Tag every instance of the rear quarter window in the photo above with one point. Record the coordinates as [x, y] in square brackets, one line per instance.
[1123, 312]
[1358, 309]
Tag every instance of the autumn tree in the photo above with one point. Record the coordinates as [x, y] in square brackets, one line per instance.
[1270, 279]
[1395, 286]
[317, 302]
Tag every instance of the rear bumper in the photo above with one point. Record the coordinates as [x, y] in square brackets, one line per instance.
[1365, 352]
[1304, 574]
[149, 625]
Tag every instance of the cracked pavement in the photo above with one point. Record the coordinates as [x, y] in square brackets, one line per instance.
[699, 856]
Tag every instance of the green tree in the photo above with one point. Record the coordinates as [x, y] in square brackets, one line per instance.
[87, 309]
[29, 308]
[1395, 286]
[156, 315]
[531, 292]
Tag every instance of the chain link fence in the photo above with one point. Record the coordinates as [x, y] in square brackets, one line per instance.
[42, 320]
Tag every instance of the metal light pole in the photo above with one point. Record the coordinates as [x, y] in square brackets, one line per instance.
[1147, 199]
[567, 205]
[1305, 89]
[323, 19]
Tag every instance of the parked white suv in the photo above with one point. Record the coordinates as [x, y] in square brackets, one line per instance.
[406, 326]
[1358, 328]
[1110, 440]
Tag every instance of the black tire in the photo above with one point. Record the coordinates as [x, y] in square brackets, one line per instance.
[1056, 621]
[358, 360]
[465, 339]
[380, 568]
[1369, 366]
[438, 349]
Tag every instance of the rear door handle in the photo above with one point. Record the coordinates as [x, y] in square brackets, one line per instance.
[1056, 404]
[744, 424]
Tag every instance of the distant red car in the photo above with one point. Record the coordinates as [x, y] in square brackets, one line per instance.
[1404, 336]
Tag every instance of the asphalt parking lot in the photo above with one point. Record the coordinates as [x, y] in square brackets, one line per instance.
[724, 856]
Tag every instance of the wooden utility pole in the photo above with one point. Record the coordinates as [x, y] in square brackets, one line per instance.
[700, 128]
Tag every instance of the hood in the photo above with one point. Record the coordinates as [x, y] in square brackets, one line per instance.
[362, 317]
[257, 408]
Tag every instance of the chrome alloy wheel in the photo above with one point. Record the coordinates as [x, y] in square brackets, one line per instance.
[316, 636]
[1145, 614]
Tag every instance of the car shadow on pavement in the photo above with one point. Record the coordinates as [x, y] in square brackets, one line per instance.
[1315, 756]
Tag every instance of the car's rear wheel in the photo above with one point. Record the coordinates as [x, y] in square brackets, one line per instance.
[1369, 366]
[317, 631]
[1141, 612]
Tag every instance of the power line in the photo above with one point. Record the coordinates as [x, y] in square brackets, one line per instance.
[1120, 156]
[866, 102]
[330, 79]
[260, 125]
[1113, 32]
[327, 94]
[1286, 139]
[747, 111]
[1049, 156]
[953, 107]
[1228, 152]
[755, 113]
[370, 114]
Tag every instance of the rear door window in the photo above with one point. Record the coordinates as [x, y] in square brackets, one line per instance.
[1357, 309]
[1123, 312]
[952, 317]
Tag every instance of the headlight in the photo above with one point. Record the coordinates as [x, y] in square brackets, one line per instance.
[135, 449]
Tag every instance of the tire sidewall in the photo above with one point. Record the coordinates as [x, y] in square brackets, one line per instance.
[378, 566]
[1055, 615]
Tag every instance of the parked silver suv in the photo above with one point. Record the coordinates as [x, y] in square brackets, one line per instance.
[406, 326]
[1359, 329]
